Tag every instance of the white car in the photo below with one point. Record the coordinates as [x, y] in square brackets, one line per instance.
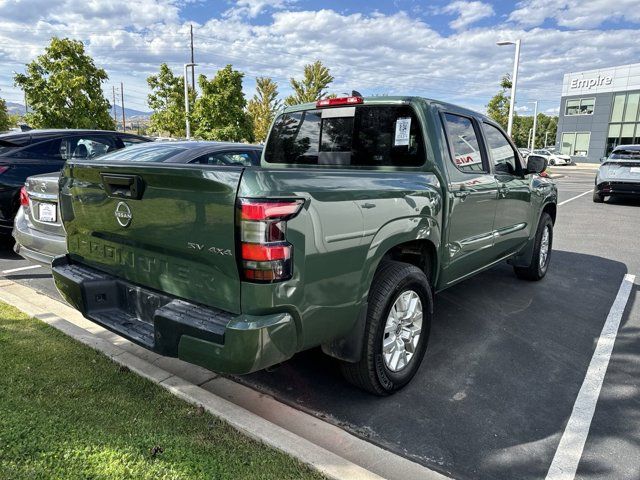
[553, 158]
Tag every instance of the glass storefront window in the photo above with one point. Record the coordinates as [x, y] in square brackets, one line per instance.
[567, 143]
[626, 135]
[573, 107]
[631, 111]
[587, 105]
[618, 108]
[580, 106]
[614, 130]
[575, 144]
[581, 147]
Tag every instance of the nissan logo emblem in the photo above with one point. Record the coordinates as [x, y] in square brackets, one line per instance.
[123, 214]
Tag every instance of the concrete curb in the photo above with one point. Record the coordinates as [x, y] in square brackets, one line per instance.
[324, 447]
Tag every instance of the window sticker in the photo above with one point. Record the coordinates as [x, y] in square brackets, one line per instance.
[403, 126]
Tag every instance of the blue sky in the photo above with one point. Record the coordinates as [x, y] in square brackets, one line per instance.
[441, 49]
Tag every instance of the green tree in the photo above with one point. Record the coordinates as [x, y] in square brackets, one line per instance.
[498, 106]
[263, 106]
[522, 127]
[5, 121]
[313, 85]
[167, 102]
[63, 87]
[220, 111]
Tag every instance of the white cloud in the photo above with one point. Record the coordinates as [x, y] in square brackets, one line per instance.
[390, 53]
[253, 8]
[575, 13]
[468, 12]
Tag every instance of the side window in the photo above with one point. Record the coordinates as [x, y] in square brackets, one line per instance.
[241, 159]
[88, 146]
[49, 150]
[503, 156]
[467, 155]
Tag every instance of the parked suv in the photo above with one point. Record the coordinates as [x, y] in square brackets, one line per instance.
[362, 210]
[34, 152]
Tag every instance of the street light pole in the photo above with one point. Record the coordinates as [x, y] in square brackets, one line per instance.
[535, 123]
[186, 100]
[514, 81]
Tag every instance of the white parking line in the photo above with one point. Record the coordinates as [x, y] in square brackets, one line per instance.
[13, 270]
[567, 456]
[577, 196]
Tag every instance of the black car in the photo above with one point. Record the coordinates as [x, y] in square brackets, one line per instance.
[619, 174]
[23, 154]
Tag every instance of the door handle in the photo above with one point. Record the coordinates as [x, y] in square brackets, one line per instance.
[368, 205]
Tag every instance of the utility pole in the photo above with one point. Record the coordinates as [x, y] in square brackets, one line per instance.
[26, 105]
[535, 123]
[115, 120]
[193, 70]
[124, 125]
[186, 100]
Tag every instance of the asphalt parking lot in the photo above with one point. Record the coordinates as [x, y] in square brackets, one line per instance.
[505, 363]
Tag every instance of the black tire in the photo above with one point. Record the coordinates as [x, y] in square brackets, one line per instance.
[552, 163]
[535, 271]
[597, 197]
[371, 373]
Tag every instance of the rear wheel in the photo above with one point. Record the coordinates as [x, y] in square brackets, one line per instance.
[597, 197]
[398, 319]
[541, 251]
[552, 162]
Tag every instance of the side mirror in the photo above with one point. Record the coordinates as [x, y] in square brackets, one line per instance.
[536, 164]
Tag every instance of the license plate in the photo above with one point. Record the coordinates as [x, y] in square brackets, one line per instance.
[47, 212]
[634, 170]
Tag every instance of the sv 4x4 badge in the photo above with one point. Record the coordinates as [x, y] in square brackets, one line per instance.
[200, 247]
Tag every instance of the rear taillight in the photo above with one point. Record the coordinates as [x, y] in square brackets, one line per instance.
[24, 198]
[265, 254]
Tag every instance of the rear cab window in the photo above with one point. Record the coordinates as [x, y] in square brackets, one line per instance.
[358, 136]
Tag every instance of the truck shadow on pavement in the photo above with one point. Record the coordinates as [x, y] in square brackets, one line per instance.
[505, 361]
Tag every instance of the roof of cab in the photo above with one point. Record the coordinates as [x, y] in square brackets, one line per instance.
[397, 100]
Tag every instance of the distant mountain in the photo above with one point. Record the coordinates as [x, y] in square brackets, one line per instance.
[130, 113]
[15, 108]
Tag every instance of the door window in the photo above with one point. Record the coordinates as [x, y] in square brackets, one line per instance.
[87, 146]
[49, 150]
[503, 155]
[241, 159]
[467, 155]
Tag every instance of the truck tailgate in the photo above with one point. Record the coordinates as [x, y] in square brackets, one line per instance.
[166, 227]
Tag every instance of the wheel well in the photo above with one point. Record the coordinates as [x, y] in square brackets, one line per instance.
[421, 253]
[551, 209]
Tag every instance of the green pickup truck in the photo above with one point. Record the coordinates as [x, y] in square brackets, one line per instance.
[362, 209]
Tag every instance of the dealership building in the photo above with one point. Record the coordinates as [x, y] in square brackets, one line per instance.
[599, 110]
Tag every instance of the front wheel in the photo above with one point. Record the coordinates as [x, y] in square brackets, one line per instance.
[597, 197]
[552, 162]
[398, 319]
[541, 251]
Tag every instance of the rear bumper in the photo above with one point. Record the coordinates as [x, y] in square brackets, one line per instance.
[212, 338]
[618, 188]
[35, 245]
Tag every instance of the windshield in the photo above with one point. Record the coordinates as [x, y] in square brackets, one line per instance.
[348, 136]
[633, 155]
[146, 152]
